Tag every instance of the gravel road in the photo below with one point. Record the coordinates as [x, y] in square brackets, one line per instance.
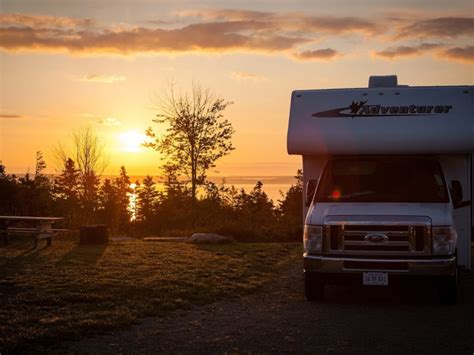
[278, 319]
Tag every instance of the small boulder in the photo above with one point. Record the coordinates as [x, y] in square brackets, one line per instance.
[209, 238]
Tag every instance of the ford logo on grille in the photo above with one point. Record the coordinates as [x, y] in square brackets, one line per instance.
[376, 238]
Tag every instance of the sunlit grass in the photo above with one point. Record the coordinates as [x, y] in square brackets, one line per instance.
[68, 290]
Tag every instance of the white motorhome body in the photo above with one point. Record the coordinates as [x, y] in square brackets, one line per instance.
[435, 122]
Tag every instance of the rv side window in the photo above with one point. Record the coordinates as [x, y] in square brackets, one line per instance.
[382, 180]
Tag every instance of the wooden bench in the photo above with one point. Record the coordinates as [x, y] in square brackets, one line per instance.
[42, 229]
[36, 236]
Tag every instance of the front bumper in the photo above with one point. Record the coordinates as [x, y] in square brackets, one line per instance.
[356, 266]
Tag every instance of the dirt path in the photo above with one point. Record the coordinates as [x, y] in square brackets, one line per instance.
[277, 319]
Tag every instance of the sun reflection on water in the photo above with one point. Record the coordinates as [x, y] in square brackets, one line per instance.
[132, 202]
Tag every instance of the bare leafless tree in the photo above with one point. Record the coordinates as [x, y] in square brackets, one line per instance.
[88, 153]
[85, 149]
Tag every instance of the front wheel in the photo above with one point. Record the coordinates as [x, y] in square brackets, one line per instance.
[448, 289]
[314, 288]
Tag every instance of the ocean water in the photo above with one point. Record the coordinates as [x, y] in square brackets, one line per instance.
[273, 186]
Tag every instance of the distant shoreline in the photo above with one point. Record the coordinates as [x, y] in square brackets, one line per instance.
[229, 180]
[273, 185]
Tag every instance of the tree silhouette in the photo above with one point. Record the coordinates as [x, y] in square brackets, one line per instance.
[147, 195]
[89, 155]
[146, 200]
[40, 201]
[40, 164]
[123, 189]
[66, 189]
[196, 134]
[67, 182]
[8, 191]
[108, 204]
[290, 209]
[291, 205]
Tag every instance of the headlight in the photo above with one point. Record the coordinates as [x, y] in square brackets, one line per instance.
[444, 240]
[313, 239]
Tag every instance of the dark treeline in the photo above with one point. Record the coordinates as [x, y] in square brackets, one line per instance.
[81, 198]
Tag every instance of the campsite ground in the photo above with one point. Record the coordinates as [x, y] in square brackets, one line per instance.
[68, 291]
[278, 319]
[258, 305]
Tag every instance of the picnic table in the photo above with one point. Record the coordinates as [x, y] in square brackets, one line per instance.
[39, 227]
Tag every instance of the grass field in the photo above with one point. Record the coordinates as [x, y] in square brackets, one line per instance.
[66, 291]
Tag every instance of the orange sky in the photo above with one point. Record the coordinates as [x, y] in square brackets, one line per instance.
[70, 64]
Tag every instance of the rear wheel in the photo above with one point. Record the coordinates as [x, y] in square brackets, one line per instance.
[448, 289]
[314, 287]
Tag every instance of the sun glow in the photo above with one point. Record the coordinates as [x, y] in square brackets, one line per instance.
[131, 141]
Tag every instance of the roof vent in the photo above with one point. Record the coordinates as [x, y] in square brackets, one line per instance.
[387, 81]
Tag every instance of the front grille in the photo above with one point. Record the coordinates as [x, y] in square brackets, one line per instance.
[377, 247]
[401, 237]
[378, 265]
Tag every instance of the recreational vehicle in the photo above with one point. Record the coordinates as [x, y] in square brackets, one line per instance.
[388, 182]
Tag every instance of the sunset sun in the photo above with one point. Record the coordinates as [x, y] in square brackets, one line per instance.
[131, 141]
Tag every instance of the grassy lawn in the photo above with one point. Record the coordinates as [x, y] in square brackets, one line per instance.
[65, 291]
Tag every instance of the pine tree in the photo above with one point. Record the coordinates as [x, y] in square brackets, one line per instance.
[90, 159]
[291, 207]
[66, 189]
[41, 194]
[109, 204]
[41, 180]
[40, 164]
[8, 191]
[67, 184]
[89, 194]
[123, 190]
[146, 199]
[173, 187]
[256, 208]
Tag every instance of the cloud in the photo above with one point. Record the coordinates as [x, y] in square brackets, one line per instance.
[222, 31]
[324, 54]
[44, 21]
[225, 14]
[157, 22]
[338, 25]
[243, 75]
[232, 31]
[404, 51]
[462, 54]
[110, 122]
[213, 37]
[102, 78]
[442, 27]
[290, 21]
[4, 115]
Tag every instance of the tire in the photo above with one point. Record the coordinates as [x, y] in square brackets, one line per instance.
[448, 289]
[313, 287]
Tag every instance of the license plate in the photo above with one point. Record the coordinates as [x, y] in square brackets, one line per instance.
[375, 278]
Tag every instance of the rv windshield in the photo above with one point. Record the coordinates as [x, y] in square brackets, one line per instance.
[382, 180]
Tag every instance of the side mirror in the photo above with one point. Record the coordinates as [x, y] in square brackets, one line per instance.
[456, 195]
[456, 192]
[310, 190]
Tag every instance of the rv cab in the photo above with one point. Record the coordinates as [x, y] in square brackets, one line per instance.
[388, 184]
